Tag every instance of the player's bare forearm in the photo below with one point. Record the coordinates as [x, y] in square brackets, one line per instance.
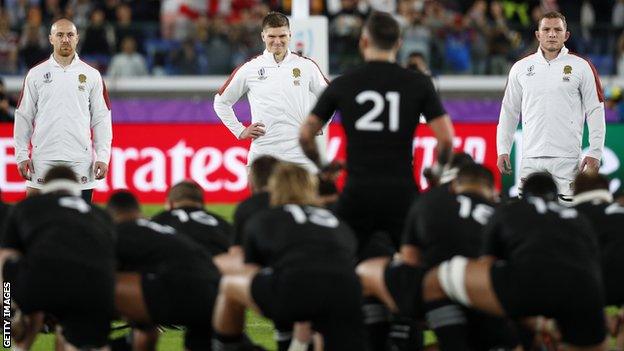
[309, 130]
[443, 131]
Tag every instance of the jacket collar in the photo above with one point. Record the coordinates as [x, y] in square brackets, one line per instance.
[74, 60]
[599, 195]
[269, 56]
[564, 51]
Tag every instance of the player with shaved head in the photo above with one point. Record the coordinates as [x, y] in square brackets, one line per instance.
[63, 116]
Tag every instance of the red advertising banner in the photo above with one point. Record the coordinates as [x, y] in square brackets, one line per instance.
[148, 158]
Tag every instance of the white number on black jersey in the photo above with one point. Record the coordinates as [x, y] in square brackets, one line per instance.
[368, 122]
[161, 228]
[542, 207]
[481, 213]
[317, 216]
[76, 203]
[198, 216]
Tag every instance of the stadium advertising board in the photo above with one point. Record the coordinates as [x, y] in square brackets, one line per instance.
[148, 158]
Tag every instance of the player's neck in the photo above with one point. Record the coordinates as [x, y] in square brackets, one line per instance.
[279, 57]
[550, 55]
[379, 55]
[63, 61]
[186, 203]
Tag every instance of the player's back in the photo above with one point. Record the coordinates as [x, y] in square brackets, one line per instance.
[299, 237]
[445, 224]
[380, 104]
[146, 246]
[246, 210]
[61, 227]
[534, 230]
[207, 229]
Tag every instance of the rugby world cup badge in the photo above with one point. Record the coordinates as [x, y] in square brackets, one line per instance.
[262, 74]
[47, 78]
[530, 70]
[84, 179]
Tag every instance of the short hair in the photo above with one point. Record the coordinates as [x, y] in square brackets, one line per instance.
[275, 20]
[60, 172]
[588, 181]
[292, 184]
[416, 54]
[475, 173]
[383, 30]
[123, 201]
[186, 190]
[553, 14]
[540, 184]
[261, 170]
[461, 159]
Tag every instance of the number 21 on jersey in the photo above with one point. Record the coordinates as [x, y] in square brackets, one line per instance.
[369, 121]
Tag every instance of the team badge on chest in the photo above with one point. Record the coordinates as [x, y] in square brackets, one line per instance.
[296, 72]
[567, 71]
[262, 74]
[47, 78]
[82, 79]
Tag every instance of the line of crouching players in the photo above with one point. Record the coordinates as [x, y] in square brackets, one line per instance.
[527, 274]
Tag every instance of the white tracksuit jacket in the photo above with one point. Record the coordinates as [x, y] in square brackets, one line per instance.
[554, 98]
[280, 96]
[57, 111]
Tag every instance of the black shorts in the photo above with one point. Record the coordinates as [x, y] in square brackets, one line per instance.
[375, 210]
[330, 300]
[181, 298]
[612, 273]
[80, 298]
[486, 332]
[573, 297]
[404, 283]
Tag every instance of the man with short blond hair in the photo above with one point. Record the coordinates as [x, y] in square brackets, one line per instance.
[556, 92]
[279, 85]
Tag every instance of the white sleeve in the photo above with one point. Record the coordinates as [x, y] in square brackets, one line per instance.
[101, 124]
[592, 98]
[230, 92]
[319, 81]
[24, 118]
[511, 108]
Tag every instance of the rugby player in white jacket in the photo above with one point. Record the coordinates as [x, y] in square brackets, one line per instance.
[63, 116]
[555, 91]
[280, 86]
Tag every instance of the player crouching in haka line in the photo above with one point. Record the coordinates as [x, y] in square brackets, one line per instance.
[163, 277]
[466, 205]
[185, 212]
[52, 244]
[593, 199]
[299, 267]
[541, 259]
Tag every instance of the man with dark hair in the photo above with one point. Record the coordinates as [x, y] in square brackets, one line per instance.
[593, 199]
[541, 259]
[279, 85]
[185, 212]
[467, 207]
[556, 92]
[380, 105]
[299, 267]
[50, 246]
[163, 277]
[259, 173]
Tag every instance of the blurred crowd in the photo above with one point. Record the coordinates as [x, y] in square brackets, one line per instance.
[190, 37]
